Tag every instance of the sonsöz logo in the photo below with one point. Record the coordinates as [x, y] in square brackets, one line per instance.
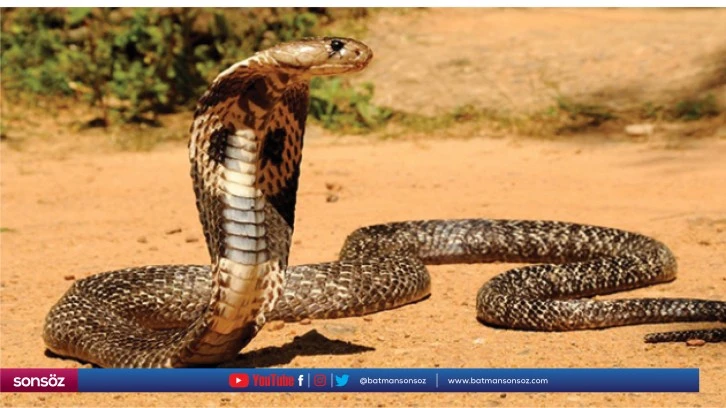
[38, 379]
[51, 381]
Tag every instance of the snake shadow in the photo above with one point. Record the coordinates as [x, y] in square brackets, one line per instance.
[311, 343]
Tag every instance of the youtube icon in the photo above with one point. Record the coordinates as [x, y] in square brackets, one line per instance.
[239, 380]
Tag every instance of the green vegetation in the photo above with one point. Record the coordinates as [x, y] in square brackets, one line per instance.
[566, 116]
[134, 64]
[563, 117]
[133, 67]
[696, 108]
[339, 106]
[584, 115]
[688, 109]
[459, 115]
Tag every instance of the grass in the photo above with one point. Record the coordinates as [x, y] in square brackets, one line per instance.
[461, 115]
[686, 109]
[563, 117]
[566, 116]
[351, 21]
[696, 108]
[343, 108]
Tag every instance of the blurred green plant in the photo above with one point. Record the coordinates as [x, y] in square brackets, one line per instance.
[133, 64]
[337, 105]
[696, 108]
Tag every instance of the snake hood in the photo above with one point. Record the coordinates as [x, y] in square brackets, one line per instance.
[245, 153]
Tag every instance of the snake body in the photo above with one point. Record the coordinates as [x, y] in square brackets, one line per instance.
[245, 151]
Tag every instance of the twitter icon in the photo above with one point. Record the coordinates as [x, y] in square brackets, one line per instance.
[341, 380]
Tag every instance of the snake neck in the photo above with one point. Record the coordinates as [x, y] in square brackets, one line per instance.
[245, 151]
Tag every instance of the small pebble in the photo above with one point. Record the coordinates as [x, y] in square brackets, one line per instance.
[141, 240]
[331, 198]
[695, 342]
[639, 129]
[381, 338]
[191, 238]
[503, 395]
[339, 328]
[69, 277]
[276, 325]
[367, 318]
[173, 231]
[305, 321]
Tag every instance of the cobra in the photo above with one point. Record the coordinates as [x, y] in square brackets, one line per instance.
[245, 151]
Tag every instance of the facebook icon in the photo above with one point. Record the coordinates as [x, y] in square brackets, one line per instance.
[300, 379]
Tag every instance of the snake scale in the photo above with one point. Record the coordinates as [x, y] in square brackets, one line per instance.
[245, 151]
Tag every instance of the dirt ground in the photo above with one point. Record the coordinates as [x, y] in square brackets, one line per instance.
[74, 207]
[519, 60]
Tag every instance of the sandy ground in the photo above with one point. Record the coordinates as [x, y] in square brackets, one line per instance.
[69, 213]
[85, 214]
[520, 60]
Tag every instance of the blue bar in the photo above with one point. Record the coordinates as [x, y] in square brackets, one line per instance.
[391, 380]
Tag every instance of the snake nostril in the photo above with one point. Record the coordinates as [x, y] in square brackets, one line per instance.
[357, 53]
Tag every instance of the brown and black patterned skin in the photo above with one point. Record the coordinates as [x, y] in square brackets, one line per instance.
[245, 151]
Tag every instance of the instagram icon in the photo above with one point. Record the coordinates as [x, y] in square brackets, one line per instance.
[320, 380]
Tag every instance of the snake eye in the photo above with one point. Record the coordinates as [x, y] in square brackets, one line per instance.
[336, 45]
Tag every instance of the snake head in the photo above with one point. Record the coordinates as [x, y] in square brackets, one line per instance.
[322, 56]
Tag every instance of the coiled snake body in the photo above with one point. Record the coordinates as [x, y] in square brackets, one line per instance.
[245, 151]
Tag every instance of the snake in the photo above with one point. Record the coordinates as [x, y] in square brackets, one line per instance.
[245, 151]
